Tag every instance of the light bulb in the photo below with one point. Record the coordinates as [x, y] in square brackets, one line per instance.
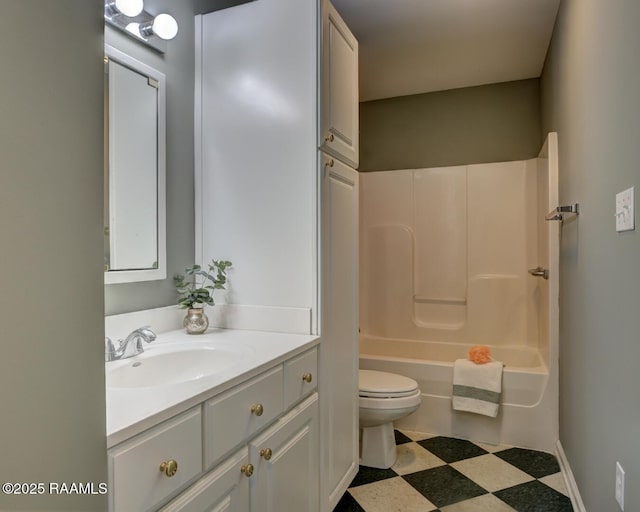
[165, 26]
[129, 8]
[134, 28]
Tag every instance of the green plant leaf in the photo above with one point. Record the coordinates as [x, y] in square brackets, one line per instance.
[191, 293]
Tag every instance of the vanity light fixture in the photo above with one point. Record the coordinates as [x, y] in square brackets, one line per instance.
[130, 17]
[129, 8]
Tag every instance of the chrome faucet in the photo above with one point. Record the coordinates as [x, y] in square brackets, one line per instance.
[131, 346]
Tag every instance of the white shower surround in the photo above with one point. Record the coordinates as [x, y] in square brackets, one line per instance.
[445, 253]
[443, 265]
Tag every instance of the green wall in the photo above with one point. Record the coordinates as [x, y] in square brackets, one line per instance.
[52, 397]
[489, 123]
[590, 91]
[178, 64]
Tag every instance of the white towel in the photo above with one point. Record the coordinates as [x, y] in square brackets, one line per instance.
[477, 387]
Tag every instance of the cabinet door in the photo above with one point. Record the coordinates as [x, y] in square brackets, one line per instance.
[339, 101]
[225, 489]
[339, 347]
[286, 465]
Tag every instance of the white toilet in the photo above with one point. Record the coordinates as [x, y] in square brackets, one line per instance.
[384, 397]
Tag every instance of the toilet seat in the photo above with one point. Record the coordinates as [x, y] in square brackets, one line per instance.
[374, 384]
[389, 403]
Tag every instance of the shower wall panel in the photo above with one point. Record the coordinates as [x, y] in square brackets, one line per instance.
[440, 230]
[445, 253]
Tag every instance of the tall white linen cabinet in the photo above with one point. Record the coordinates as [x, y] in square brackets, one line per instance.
[277, 193]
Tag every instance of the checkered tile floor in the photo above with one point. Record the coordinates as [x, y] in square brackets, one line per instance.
[444, 474]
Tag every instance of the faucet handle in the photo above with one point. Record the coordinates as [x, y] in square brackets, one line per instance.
[109, 349]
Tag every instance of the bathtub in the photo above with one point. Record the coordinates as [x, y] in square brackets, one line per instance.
[528, 410]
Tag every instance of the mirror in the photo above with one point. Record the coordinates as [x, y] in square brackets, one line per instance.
[134, 170]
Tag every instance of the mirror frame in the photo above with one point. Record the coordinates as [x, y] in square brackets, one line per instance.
[129, 276]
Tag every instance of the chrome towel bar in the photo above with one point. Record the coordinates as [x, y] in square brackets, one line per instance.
[557, 213]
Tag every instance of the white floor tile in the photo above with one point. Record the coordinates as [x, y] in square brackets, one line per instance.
[391, 495]
[412, 457]
[486, 503]
[556, 481]
[491, 472]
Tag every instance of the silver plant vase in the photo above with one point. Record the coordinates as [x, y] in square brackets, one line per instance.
[195, 322]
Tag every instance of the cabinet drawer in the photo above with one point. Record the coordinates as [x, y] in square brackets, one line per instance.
[300, 377]
[234, 416]
[138, 484]
[224, 489]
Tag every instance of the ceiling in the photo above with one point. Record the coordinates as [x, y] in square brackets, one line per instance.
[417, 46]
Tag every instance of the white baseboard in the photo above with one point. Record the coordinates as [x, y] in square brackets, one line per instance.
[572, 486]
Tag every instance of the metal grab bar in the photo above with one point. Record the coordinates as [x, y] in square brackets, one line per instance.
[557, 213]
[539, 272]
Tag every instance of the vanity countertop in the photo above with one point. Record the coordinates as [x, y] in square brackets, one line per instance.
[132, 410]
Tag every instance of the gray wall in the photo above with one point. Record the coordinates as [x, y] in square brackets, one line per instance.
[205, 6]
[52, 405]
[178, 64]
[590, 95]
[490, 123]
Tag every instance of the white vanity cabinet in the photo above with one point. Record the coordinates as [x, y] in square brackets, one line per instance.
[137, 482]
[339, 350]
[290, 89]
[338, 159]
[277, 471]
[339, 97]
[253, 447]
[285, 460]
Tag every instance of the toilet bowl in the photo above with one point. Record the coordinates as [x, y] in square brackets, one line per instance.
[384, 398]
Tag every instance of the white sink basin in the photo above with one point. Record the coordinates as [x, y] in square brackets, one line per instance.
[172, 365]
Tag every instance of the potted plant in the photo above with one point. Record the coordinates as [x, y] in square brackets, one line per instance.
[194, 293]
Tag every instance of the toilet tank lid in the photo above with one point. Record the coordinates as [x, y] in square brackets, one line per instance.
[371, 381]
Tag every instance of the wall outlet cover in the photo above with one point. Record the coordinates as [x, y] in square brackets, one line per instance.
[625, 220]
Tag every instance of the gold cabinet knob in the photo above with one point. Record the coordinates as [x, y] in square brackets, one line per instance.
[247, 470]
[307, 377]
[169, 467]
[329, 138]
[257, 409]
[266, 453]
[329, 163]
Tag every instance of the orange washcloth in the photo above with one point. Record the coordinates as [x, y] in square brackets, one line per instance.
[479, 354]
